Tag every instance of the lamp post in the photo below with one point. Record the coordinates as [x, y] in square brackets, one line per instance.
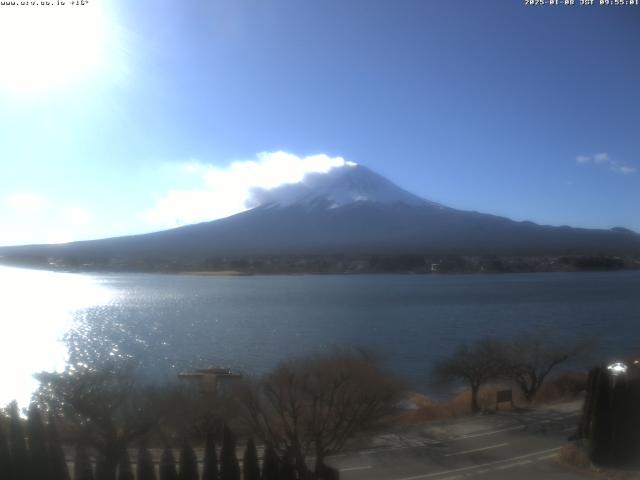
[611, 422]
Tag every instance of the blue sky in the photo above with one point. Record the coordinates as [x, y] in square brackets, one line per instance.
[126, 117]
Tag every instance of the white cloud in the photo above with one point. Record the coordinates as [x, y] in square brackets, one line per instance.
[40, 219]
[624, 169]
[59, 235]
[603, 159]
[76, 216]
[226, 191]
[26, 202]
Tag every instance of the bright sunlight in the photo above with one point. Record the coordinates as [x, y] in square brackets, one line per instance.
[47, 47]
[41, 324]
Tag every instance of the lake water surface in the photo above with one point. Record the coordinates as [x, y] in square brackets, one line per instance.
[173, 322]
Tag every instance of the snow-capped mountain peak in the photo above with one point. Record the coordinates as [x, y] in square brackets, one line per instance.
[340, 186]
[349, 210]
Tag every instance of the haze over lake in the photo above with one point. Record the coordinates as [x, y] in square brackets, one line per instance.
[172, 322]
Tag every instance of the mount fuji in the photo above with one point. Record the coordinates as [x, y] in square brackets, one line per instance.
[350, 210]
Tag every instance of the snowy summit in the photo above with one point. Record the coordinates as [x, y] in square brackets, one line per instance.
[340, 186]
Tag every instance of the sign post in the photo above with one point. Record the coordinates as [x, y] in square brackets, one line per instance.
[504, 396]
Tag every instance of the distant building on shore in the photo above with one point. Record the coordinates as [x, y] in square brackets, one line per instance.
[211, 379]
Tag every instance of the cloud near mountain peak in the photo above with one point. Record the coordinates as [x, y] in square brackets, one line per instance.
[222, 191]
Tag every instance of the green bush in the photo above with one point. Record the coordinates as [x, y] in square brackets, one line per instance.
[250, 466]
[82, 465]
[270, 468]
[229, 468]
[168, 465]
[125, 471]
[210, 468]
[145, 469]
[188, 463]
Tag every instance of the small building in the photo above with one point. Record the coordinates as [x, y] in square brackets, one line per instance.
[210, 379]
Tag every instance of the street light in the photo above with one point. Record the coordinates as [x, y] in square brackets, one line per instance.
[617, 368]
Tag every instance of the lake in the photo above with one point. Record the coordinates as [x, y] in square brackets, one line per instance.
[175, 322]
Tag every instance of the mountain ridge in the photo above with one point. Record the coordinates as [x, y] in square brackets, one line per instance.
[349, 210]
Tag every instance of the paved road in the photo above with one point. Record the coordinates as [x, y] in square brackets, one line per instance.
[505, 445]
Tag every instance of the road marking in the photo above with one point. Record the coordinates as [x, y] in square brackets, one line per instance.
[477, 450]
[472, 467]
[425, 443]
[511, 465]
[351, 469]
[547, 457]
[483, 434]
[492, 432]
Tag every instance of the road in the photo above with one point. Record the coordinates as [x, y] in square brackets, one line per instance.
[504, 445]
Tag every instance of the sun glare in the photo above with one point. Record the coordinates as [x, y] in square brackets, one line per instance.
[36, 328]
[46, 47]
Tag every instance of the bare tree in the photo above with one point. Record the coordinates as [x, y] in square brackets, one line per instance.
[529, 359]
[104, 408]
[311, 406]
[184, 411]
[475, 365]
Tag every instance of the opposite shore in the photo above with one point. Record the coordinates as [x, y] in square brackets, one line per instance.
[332, 264]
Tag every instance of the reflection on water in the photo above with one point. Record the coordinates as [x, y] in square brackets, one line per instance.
[170, 322]
[36, 309]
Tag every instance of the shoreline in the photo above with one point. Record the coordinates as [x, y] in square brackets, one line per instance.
[347, 264]
[238, 273]
[209, 273]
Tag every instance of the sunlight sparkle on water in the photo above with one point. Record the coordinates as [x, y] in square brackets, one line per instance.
[36, 309]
